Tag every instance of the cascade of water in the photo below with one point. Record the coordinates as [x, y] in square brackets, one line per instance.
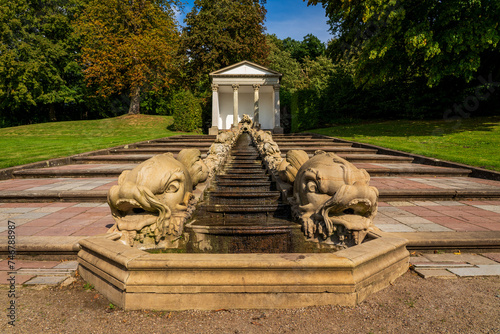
[243, 211]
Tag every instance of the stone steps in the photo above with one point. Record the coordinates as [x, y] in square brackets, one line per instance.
[333, 149]
[114, 170]
[154, 150]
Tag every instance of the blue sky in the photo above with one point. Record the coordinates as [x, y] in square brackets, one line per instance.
[290, 18]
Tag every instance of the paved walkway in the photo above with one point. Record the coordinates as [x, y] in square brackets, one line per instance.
[89, 219]
[58, 205]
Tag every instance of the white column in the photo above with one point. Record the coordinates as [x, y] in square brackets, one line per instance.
[276, 102]
[256, 105]
[235, 105]
[214, 130]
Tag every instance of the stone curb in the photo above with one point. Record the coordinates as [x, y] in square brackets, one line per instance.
[476, 241]
[45, 248]
[435, 194]
[61, 196]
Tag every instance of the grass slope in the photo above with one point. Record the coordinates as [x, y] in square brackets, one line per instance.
[472, 141]
[36, 142]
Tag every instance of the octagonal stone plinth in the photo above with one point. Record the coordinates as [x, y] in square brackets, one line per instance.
[135, 279]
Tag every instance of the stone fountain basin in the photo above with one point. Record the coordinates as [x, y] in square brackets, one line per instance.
[135, 279]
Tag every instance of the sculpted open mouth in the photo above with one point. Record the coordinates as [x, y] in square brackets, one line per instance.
[354, 217]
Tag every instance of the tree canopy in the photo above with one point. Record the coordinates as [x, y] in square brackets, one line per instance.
[128, 46]
[38, 56]
[310, 47]
[221, 33]
[430, 39]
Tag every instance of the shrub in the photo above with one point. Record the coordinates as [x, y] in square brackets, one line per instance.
[186, 111]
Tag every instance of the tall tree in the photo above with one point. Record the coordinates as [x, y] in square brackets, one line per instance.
[427, 39]
[128, 46]
[38, 57]
[220, 33]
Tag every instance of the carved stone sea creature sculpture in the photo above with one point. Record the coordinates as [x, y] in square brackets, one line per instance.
[225, 137]
[151, 200]
[332, 198]
[268, 148]
[246, 123]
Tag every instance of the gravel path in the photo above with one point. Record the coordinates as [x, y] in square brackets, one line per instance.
[411, 305]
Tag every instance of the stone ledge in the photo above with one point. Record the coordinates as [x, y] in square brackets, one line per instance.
[134, 279]
[47, 196]
[433, 194]
[44, 248]
[449, 240]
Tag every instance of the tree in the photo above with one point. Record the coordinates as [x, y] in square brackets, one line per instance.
[303, 83]
[281, 60]
[128, 46]
[430, 39]
[221, 33]
[38, 58]
[310, 47]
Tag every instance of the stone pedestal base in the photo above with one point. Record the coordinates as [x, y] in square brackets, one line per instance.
[213, 131]
[133, 279]
[278, 130]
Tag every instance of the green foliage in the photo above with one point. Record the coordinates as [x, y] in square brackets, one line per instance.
[302, 84]
[221, 33]
[38, 59]
[128, 46]
[281, 60]
[186, 111]
[397, 40]
[310, 47]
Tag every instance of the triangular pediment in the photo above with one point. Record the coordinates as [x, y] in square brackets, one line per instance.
[245, 68]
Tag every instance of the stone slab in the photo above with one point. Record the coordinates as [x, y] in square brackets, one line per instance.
[437, 273]
[46, 272]
[460, 258]
[493, 256]
[443, 265]
[71, 265]
[481, 270]
[46, 280]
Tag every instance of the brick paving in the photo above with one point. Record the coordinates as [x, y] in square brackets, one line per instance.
[101, 183]
[88, 219]
[402, 182]
[56, 219]
[438, 216]
[58, 184]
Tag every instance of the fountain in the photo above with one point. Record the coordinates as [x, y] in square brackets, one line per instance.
[240, 248]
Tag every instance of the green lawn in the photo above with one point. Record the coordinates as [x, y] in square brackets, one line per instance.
[472, 141]
[36, 142]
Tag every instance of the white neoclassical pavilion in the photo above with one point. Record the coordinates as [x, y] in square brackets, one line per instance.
[245, 88]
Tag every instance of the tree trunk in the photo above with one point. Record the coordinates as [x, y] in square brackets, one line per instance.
[135, 102]
[52, 112]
